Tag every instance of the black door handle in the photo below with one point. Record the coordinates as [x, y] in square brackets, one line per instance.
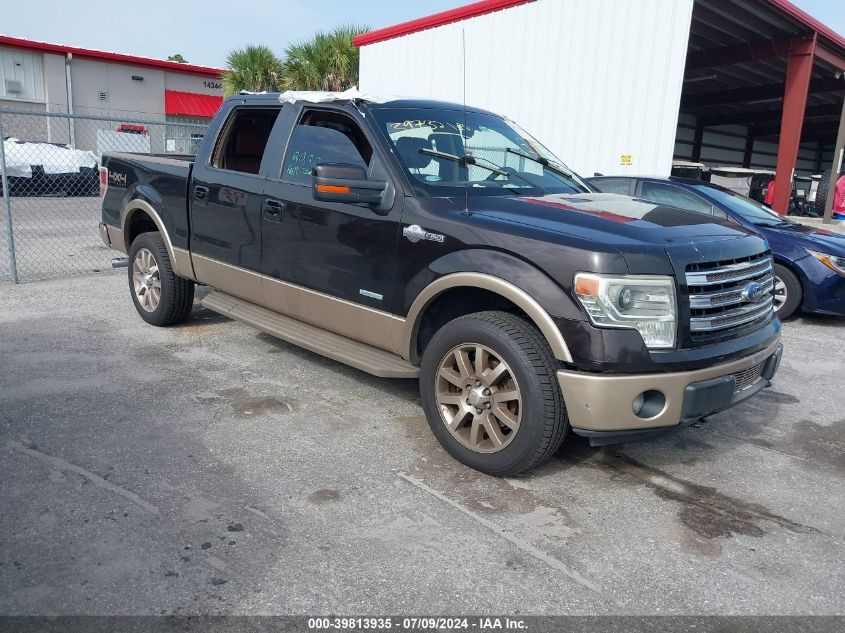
[273, 210]
[201, 193]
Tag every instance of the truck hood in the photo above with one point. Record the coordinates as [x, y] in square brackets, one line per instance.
[609, 218]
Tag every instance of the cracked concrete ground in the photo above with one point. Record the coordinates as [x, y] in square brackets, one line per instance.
[209, 468]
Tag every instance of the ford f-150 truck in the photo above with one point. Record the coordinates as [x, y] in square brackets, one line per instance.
[422, 239]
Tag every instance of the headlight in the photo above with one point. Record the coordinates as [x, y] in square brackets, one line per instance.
[836, 264]
[645, 303]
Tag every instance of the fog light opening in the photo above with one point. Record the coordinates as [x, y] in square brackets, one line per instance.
[649, 404]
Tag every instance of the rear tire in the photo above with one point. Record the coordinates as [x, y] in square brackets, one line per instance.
[821, 192]
[490, 393]
[160, 297]
[788, 292]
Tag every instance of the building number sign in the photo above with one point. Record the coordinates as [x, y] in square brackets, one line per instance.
[216, 85]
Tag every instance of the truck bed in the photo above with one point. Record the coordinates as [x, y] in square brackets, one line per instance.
[159, 159]
[160, 180]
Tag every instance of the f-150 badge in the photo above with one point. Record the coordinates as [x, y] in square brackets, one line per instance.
[415, 233]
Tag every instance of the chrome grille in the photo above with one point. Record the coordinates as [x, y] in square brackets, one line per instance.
[732, 272]
[725, 297]
[739, 316]
[718, 299]
[746, 378]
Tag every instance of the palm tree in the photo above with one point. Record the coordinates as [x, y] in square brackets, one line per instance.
[327, 62]
[253, 68]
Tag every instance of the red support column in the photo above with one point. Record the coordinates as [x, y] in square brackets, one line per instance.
[801, 52]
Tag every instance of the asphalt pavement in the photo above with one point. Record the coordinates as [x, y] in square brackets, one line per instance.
[209, 468]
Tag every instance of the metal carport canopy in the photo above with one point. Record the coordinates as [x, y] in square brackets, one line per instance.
[770, 66]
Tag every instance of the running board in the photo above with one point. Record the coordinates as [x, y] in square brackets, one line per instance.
[340, 348]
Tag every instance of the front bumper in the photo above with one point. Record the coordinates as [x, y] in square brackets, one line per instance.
[824, 289]
[602, 405]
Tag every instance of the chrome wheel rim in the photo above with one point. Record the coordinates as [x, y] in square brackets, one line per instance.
[779, 293]
[478, 398]
[146, 280]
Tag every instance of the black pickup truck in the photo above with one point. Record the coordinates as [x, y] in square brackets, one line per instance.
[424, 239]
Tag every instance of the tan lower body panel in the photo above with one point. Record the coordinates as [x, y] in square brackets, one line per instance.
[601, 402]
[350, 352]
[104, 234]
[237, 281]
[182, 265]
[112, 237]
[351, 320]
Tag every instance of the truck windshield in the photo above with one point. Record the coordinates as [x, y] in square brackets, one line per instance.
[446, 154]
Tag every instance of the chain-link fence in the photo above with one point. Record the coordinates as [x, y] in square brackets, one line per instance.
[50, 205]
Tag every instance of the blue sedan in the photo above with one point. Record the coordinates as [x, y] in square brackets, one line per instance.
[809, 262]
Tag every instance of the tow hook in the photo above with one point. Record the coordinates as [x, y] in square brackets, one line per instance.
[120, 262]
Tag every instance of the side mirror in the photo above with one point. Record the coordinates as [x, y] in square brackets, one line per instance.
[343, 182]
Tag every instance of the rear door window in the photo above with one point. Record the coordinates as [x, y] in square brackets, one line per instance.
[243, 140]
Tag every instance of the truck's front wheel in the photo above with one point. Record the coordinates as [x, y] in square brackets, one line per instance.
[160, 297]
[490, 393]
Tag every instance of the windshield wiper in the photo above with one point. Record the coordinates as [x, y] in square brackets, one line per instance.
[464, 160]
[468, 159]
[542, 161]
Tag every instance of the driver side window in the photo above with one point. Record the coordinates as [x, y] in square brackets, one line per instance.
[324, 137]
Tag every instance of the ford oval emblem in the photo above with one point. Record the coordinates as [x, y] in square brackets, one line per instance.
[753, 292]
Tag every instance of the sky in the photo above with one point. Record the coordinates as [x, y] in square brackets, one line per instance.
[205, 31]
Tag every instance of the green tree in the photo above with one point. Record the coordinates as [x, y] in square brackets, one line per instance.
[329, 61]
[253, 68]
[177, 58]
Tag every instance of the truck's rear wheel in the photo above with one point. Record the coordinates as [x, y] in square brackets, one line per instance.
[160, 297]
[490, 393]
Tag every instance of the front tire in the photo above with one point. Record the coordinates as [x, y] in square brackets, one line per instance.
[490, 393]
[787, 292]
[160, 297]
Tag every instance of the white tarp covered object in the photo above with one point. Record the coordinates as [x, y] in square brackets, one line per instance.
[21, 156]
[318, 96]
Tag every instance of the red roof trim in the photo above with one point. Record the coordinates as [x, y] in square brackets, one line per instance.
[191, 103]
[438, 19]
[190, 69]
[808, 20]
[488, 6]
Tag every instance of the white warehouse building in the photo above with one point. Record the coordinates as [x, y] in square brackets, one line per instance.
[618, 87]
[538, 63]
